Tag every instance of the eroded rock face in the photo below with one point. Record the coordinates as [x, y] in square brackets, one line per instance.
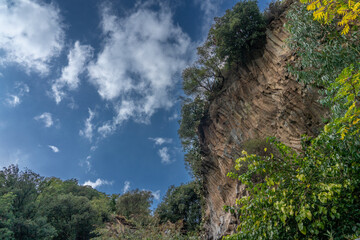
[260, 100]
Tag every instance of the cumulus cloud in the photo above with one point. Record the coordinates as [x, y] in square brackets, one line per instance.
[87, 132]
[31, 34]
[54, 149]
[126, 186]
[77, 59]
[156, 195]
[161, 141]
[20, 90]
[164, 155]
[99, 182]
[46, 118]
[12, 100]
[139, 64]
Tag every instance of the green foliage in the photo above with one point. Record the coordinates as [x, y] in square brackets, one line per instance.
[321, 50]
[204, 78]
[346, 13]
[6, 215]
[72, 216]
[32, 207]
[312, 195]
[37, 208]
[22, 218]
[135, 205]
[73, 210]
[239, 32]
[181, 203]
[191, 112]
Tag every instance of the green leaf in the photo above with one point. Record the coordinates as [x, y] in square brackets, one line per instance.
[302, 228]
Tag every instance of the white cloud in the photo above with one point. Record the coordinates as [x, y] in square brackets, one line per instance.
[156, 195]
[31, 33]
[12, 100]
[86, 163]
[174, 117]
[140, 62]
[99, 182]
[161, 141]
[77, 59]
[106, 129]
[15, 99]
[46, 118]
[164, 155]
[87, 132]
[126, 186]
[54, 149]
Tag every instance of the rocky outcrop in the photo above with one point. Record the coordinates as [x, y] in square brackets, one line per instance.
[260, 99]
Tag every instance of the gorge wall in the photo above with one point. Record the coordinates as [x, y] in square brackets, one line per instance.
[260, 99]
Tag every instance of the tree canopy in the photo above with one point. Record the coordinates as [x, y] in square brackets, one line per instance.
[181, 203]
[135, 205]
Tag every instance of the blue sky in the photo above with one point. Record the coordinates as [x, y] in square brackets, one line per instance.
[89, 89]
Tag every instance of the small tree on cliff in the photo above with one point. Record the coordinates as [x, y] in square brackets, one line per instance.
[205, 76]
[238, 32]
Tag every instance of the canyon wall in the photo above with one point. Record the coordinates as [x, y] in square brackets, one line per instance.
[257, 100]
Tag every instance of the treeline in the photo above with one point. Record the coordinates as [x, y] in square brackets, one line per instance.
[34, 208]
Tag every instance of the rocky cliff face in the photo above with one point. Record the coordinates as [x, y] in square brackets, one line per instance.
[261, 99]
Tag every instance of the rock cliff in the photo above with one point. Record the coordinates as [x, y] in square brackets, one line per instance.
[260, 99]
